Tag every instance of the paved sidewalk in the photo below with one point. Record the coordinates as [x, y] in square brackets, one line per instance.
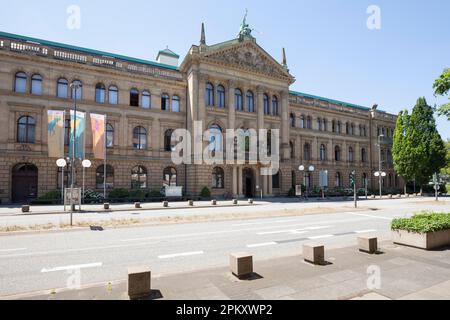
[405, 273]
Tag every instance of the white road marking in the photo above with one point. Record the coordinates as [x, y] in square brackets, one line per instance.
[73, 267]
[321, 237]
[371, 216]
[13, 250]
[185, 254]
[257, 245]
[365, 231]
[265, 222]
[294, 231]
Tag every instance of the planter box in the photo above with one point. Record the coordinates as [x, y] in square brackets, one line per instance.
[427, 241]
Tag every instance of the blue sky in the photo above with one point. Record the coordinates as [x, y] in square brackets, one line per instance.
[330, 50]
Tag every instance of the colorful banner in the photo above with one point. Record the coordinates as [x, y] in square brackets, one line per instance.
[55, 132]
[98, 125]
[77, 127]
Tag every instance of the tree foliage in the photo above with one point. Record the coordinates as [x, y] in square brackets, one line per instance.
[441, 87]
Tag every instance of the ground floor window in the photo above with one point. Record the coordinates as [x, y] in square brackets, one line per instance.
[218, 178]
[170, 177]
[139, 178]
[99, 177]
[276, 181]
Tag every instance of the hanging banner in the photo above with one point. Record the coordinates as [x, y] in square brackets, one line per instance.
[55, 133]
[98, 125]
[77, 127]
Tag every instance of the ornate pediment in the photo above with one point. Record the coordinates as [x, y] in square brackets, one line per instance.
[250, 57]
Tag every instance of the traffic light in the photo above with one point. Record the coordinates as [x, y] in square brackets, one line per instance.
[353, 179]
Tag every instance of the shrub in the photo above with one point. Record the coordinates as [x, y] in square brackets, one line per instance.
[91, 196]
[137, 194]
[52, 195]
[206, 193]
[291, 192]
[423, 223]
[119, 194]
[154, 194]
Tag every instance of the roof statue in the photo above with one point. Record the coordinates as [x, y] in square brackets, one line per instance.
[245, 30]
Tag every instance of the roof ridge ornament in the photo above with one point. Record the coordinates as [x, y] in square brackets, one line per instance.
[245, 30]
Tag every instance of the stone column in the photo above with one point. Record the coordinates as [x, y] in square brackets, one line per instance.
[285, 125]
[201, 99]
[231, 105]
[260, 106]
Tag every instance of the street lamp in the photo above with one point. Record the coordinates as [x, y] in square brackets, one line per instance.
[75, 87]
[302, 168]
[86, 164]
[380, 174]
[381, 136]
[62, 163]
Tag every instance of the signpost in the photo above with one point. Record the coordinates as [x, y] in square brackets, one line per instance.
[62, 163]
[353, 183]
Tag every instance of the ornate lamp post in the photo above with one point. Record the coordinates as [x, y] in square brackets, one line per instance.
[302, 168]
[62, 163]
[75, 87]
[86, 164]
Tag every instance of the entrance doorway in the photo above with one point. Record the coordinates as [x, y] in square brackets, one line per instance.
[248, 183]
[24, 182]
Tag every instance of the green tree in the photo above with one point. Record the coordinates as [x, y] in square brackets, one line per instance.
[424, 145]
[446, 170]
[441, 87]
[400, 155]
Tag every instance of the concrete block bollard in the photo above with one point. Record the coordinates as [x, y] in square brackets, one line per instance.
[241, 264]
[137, 205]
[139, 282]
[390, 196]
[235, 202]
[368, 244]
[25, 208]
[372, 196]
[106, 206]
[214, 202]
[314, 253]
[166, 204]
[250, 201]
[399, 196]
[191, 203]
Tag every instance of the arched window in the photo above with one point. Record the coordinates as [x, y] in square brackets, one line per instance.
[100, 93]
[26, 127]
[350, 154]
[140, 138]
[302, 122]
[99, 177]
[109, 136]
[347, 128]
[238, 100]
[250, 102]
[209, 95]
[333, 126]
[36, 84]
[221, 96]
[269, 143]
[170, 177]
[319, 124]
[309, 122]
[360, 131]
[134, 97]
[77, 90]
[20, 82]
[113, 95]
[168, 146]
[291, 146]
[175, 104]
[139, 178]
[352, 129]
[363, 155]
[292, 120]
[276, 181]
[218, 178]
[339, 127]
[165, 102]
[307, 152]
[266, 104]
[146, 100]
[62, 88]
[325, 126]
[323, 154]
[337, 153]
[338, 180]
[216, 142]
[275, 106]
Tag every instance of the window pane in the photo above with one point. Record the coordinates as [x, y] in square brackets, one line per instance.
[100, 94]
[146, 100]
[62, 90]
[36, 85]
[20, 83]
[113, 97]
[175, 104]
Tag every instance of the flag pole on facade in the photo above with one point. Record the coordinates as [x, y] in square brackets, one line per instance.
[104, 161]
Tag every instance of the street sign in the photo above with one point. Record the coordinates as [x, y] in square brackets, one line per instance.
[72, 196]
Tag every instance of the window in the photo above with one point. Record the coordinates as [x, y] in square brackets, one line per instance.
[134, 98]
[67, 132]
[269, 143]
[250, 102]
[20, 83]
[333, 126]
[215, 141]
[109, 135]
[209, 95]
[221, 96]
[100, 93]
[276, 181]
[139, 178]
[165, 102]
[352, 129]
[292, 120]
[323, 178]
[350, 154]
[36, 84]
[337, 180]
[360, 131]
[363, 155]
[113, 95]
[365, 182]
[140, 138]
[62, 88]
[77, 90]
[266, 104]
[175, 104]
[99, 177]
[291, 146]
[319, 124]
[339, 127]
[337, 153]
[146, 100]
[347, 128]
[170, 177]
[26, 129]
[302, 122]
[238, 100]
[308, 180]
[218, 178]
[275, 106]
[322, 152]
[324, 126]
[168, 141]
[307, 152]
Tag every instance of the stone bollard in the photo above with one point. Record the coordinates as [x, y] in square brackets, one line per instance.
[314, 253]
[399, 196]
[250, 201]
[235, 202]
[137, 205]
[106, 206]
[25, 208]
[407, 195]
[139, 282]
[368, 244]
[191, 203]
[166, 204]
[214, 202]
[241, 264]
[372, 196]
[390, 196]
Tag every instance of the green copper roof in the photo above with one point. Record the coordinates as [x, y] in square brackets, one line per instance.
[84, 50]
[341, 103]
[168, 52]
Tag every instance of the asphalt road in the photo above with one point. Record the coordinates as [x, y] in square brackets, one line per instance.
[45, 261]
